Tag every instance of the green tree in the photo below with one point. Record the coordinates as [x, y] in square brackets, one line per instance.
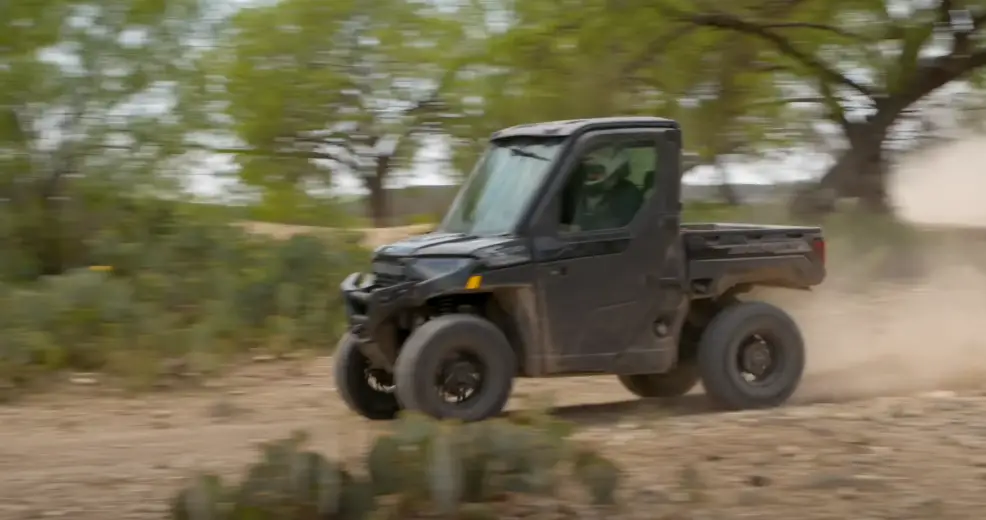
[82, 118]
[869, 62]
[315, 88]
[585, 58]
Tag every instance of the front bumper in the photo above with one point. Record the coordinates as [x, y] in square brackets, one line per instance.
[371, 304]
[367, 306]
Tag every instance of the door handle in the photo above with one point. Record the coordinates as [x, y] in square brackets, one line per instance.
[559, 271]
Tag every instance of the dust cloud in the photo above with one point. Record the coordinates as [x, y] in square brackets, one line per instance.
[880, 334]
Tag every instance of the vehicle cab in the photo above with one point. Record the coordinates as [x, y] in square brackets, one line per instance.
[546, 218]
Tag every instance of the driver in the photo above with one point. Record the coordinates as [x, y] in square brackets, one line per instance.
[608, 199]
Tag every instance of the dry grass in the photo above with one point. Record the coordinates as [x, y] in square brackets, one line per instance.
[373, 237]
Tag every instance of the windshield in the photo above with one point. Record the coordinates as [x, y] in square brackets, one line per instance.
[500, 187]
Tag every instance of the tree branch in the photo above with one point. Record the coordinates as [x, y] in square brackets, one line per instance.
[262, 152]
[654, 49]
[818, 27]
[943, 70]
[782, 44]
[786, 101]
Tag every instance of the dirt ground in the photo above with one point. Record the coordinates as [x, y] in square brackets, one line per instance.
[92, 456]
[890, 422]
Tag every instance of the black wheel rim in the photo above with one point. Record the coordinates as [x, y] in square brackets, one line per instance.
[758, 360]
[460, 377]
[379, 380]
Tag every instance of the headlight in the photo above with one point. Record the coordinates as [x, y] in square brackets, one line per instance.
[434, 267]
[504, 255]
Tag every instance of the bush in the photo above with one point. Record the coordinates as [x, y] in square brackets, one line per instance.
[424, 467]
[174, 300]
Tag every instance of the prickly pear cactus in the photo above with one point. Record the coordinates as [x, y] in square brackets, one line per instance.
[424, 467]
[445, 470]
[599, 475]
[383, 464]
[288, 483]
[205, 498]
[477, 462]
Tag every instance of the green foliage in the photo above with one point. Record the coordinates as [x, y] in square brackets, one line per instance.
[177, 297]
[314, 89]
[422, 467]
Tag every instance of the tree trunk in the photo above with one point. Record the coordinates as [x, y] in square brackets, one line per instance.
[379, 206]
[726, 189]
[860, 172]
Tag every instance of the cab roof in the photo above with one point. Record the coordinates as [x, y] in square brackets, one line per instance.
[573, 126]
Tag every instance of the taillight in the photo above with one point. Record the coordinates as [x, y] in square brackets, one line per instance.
[818, 246]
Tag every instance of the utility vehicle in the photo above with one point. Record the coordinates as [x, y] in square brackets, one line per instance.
[563, 254]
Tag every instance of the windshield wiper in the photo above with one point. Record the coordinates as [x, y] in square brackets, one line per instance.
[524, 153]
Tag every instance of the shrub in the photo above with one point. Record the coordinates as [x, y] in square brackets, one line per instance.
[174, 300]
[423, 467]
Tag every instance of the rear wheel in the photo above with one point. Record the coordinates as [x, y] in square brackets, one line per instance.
[456, 366]
[365, 390]
[751, 355]
[675, 383]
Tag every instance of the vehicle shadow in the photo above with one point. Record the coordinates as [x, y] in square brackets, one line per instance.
[630, 409]
[614, 412]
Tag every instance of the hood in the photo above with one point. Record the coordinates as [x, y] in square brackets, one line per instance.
[444, 244]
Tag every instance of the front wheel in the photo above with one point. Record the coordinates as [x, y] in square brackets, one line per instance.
[751, 355]
[365, 391]
[456, 366]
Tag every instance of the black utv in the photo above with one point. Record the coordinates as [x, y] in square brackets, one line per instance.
[562, 255]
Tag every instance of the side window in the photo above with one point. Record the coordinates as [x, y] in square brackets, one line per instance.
[608, 187]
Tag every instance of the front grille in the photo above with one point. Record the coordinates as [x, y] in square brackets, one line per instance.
[388, 273]
[384, 280]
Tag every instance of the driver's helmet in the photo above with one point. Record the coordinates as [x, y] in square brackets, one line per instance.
[600, 177]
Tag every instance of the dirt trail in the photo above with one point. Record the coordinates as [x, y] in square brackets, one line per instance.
[86, 455]
[93, 457]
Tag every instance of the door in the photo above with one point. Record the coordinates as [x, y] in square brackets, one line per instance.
[606, 238]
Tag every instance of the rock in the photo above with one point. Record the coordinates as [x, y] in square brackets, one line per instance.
[653, 495]
[759, 481]
[621, 438]
[751, 498]
[939, 394]
[788, 451]
[966, 441]
[679, 497]
[855, 482]
[83, 379]
[881, 450]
